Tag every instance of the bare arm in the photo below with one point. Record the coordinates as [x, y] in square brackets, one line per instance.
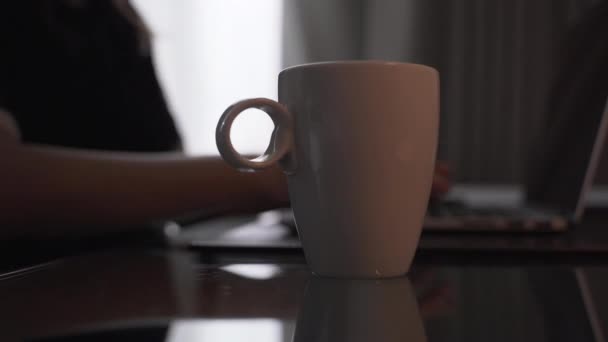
[72, 189]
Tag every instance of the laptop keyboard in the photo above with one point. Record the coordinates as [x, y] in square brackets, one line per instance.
[454, 215]
[459, 209]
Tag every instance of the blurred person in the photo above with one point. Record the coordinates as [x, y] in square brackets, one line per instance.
[86, 137]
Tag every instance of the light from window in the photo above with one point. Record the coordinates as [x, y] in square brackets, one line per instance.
[211, 53]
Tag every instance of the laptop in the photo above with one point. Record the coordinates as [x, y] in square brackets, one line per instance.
[554, 196]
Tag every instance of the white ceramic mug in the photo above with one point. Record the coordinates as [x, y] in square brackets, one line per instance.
[357, 140]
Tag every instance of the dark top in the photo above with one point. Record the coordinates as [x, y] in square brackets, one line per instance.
[78, 77]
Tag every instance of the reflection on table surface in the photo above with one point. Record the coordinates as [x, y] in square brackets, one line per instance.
[179, 296]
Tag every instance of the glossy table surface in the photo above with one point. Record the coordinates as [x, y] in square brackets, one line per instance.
[462, 287]
[160, 294]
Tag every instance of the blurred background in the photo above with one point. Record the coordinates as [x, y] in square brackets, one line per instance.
[497, 59]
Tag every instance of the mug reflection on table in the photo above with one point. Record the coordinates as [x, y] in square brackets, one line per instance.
[359, 310]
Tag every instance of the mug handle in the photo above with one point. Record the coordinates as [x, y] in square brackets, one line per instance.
[281, 140]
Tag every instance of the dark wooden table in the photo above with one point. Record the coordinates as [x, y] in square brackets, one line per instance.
[461, 288]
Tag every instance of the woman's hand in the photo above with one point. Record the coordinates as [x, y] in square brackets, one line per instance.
[441, 179]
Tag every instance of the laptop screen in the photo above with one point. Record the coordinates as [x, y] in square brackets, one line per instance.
[563, 164]
[562, 174]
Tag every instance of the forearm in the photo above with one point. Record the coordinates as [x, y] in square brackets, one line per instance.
[73, 188]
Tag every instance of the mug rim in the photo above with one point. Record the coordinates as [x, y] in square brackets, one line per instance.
[359, 63]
